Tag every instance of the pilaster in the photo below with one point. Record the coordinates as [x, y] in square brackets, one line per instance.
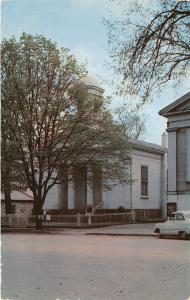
[172, 167]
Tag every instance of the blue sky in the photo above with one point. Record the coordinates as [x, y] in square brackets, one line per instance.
[77, 24]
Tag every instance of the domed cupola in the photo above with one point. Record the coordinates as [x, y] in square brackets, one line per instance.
[93, 85]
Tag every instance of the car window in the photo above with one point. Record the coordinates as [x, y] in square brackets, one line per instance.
[180, 217]
[187, 216]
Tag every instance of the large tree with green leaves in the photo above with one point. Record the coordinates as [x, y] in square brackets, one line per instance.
[12, 173]
[53, 121]
[150, 45]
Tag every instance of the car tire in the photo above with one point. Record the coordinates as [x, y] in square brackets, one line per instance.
[183, 235]
[160, 235]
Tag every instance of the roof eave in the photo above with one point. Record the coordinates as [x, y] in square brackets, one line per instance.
[150, 150]
[166, 110]
[174, 113]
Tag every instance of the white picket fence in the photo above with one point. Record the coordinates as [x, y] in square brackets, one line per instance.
[61, 220]
[17, 221]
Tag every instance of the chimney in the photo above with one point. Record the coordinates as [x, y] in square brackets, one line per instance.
[164, 140]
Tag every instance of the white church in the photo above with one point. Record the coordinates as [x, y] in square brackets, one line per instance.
[148, 170]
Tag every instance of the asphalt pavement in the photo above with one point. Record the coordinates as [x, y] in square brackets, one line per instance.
[77, 266]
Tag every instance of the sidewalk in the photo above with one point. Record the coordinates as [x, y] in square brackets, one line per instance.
[145, 229]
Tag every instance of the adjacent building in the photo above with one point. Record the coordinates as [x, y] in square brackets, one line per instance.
[178, 129]
[22, 203]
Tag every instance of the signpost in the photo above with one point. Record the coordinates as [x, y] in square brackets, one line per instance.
[89, 212]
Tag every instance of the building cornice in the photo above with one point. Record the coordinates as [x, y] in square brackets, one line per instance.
[167, 111]
[147, 147]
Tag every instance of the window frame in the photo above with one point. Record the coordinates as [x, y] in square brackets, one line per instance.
[144, 182]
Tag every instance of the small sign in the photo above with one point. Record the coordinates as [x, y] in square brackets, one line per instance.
[22, 209]
[89, 209]
[48, 217]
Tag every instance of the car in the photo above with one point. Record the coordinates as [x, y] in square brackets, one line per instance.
[178, 224]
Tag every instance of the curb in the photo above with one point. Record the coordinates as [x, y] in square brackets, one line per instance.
[17, 231]
[25, 231]
[122, 234]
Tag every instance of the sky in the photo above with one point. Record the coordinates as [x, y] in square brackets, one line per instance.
[77, 25]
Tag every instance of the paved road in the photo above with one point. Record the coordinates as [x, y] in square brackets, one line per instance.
[47, 266]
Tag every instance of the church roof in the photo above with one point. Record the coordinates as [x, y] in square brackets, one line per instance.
[181, 105]
[22, 196]
[145, 146]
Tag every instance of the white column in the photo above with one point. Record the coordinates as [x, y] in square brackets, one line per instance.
[172, 163]
[71, 195]
[89, 192]
[164, 167]
[188, 155]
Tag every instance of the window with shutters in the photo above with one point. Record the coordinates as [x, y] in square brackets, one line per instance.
[144, 181]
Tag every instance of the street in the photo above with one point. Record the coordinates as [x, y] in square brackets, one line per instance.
[78, 266]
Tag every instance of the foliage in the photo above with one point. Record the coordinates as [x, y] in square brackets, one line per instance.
[150, 45]
[12, 173]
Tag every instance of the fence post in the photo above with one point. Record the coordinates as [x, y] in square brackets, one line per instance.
[78, 219]
[134, 216]
[26, 219]
[89, 219]
[10, 220]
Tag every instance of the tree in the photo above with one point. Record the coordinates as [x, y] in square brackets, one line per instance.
[12, 173]
[132, 125]
[53, 120]
[150, 45]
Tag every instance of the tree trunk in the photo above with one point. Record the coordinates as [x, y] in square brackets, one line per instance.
[8, 202]
[38, 221]
[38, 213]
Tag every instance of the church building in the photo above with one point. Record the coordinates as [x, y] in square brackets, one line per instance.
[146, 190]
[178, 129]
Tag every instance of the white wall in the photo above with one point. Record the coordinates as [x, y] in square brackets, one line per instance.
[120, 195]
[153, 161]
[21, 208]
[183, 202]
